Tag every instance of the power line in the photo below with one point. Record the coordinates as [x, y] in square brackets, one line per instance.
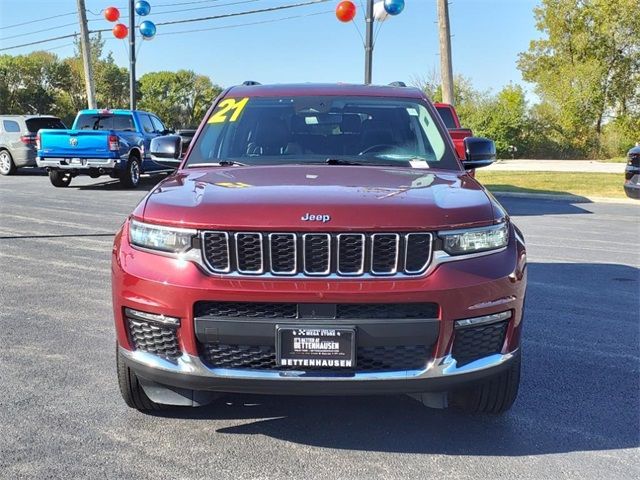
[273, 20]
[38, 20]
[38, 31]
[208, 6]
[183, 3]
[174, 22]
[40, 41]
[236, 14]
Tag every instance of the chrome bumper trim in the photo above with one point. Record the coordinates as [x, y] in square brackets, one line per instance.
[191, 365]
[89, 163]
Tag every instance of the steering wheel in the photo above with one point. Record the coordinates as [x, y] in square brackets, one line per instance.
[377, 148]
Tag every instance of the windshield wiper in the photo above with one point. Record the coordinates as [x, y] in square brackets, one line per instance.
[221, 163]
[228, 163]
[339, 161]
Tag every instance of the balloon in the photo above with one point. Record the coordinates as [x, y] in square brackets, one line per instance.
[111, 14]
[147, 30]
[346, 11]
[394, 7]
[120, 31]
[379, 13]
[142, 8]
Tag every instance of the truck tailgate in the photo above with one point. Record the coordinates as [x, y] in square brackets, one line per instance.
[75, 144]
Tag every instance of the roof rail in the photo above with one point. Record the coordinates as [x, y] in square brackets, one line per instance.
[248, 83]
[397, 84]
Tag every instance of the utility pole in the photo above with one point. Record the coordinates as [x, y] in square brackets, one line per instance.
[368, 48]
[446, 67]
[86, 55]
[132, 55]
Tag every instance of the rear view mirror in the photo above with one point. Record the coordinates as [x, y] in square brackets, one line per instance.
[480, 152]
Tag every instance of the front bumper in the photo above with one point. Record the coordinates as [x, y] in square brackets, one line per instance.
[85, 163]
[472, 287]
[188, 372]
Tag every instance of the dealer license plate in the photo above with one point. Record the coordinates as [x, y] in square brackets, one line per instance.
[316, 347]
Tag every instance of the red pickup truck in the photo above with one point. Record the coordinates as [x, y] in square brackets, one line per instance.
[320, 240]
[452, 122]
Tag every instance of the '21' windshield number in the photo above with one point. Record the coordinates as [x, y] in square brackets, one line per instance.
[228, 110]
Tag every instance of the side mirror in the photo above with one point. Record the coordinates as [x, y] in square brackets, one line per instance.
[480, 152]
[166, 150]
[167, 146]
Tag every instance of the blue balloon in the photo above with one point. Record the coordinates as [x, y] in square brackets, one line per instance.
[148, 30]
[142, 8]
[394, 7]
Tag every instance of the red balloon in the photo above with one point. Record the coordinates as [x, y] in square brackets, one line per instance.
[111, 14]
[346, 11]
[120, 31]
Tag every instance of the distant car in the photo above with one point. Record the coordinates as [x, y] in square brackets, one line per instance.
[102, 142]
[632, 173]
[18, 139]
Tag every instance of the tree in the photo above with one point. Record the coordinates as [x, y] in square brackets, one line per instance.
[588, 65]
[112, 81]
[31, 83]
[180, 98]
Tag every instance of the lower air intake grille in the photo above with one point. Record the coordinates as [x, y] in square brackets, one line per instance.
[246, 309]
[353, 311]
[472, 343]
[156, 339]
[387, 358]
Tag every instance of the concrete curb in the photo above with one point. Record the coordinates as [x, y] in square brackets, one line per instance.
[565, 198]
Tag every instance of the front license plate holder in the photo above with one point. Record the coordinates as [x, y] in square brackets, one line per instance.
[313, 347]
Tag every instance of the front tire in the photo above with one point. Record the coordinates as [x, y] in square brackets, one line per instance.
[59, 178]
[130, 176]
[130, 388]
[7, 166]
[494, 396]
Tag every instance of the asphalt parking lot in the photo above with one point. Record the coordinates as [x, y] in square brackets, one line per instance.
[61, 415]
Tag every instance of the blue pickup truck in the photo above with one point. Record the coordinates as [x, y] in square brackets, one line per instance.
[102, 142]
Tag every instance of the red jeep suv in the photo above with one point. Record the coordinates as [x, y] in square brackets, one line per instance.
[320, 240]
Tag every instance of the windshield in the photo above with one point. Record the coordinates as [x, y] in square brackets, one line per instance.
[334, 130]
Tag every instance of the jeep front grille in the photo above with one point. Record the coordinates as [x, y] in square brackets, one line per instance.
[317, 254]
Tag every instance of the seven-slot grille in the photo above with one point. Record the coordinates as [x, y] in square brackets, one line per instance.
[317, 254]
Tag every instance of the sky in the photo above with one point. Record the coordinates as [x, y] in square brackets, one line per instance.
[487, 36]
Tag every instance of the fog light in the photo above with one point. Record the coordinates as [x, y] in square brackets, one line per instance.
[484, 320]
[151, 317]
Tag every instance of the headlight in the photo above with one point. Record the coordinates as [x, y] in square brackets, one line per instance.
[475, 239]
[156, 237]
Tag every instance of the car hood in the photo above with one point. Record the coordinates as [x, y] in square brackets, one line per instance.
[318, 197]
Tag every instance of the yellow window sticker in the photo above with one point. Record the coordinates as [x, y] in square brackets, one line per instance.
[228, 110]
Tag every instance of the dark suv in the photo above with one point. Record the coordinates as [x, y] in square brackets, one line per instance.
[18, 139]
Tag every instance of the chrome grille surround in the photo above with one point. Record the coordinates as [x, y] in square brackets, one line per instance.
[252, 252]
[385, 249]
[318, 254]
[342, 238]
[339, 255]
